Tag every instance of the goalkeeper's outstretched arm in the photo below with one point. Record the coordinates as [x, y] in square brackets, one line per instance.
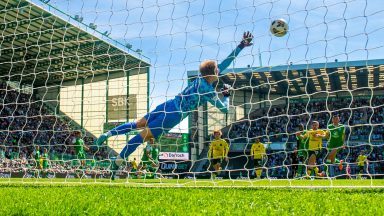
[246, 41]
[223, 105]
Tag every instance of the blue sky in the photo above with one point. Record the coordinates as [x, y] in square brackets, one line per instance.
[178, 34]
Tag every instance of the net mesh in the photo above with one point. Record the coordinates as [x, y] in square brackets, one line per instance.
[73, 70]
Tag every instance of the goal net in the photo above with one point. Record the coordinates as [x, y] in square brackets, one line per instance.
[308, 105]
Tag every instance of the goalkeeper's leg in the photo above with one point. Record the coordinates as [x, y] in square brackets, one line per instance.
[132, 145]
[122, 129]
[158, 116]
[159, 121]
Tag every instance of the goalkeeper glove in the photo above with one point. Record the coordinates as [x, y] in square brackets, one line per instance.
[225, 90]
[247, 39]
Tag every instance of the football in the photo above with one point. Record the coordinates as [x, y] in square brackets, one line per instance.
[279, 27]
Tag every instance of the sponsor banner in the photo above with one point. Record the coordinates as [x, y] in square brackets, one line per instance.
[121, 105]
[173, 156]
[175, 167]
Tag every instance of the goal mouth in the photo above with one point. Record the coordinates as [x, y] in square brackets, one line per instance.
[84, 87]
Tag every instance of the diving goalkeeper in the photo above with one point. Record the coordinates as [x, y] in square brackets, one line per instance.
[172, 112]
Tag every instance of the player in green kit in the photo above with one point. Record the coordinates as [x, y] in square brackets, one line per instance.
[336, 136]
[302, 151]
[79, 145]
[37, 157]
[45, 161]
[150, 160]
[37, 161]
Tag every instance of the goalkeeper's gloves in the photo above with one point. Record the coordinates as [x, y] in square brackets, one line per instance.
[247, 39]
[226, 90]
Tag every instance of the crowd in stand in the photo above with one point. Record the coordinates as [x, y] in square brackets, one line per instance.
[281, 163]
[25, 123]
[363, 118]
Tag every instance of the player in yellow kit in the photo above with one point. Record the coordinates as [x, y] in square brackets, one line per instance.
[315, 138]
[258, 155]
[361, 162]
[218, 151]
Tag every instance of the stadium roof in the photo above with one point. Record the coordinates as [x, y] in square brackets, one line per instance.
[40, 45]
[307, 78]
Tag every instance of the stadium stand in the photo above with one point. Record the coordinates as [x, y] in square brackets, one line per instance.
[297, 94]
[266, 124]
[44, 52]
[26, 122]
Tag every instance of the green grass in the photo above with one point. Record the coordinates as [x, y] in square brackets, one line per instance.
[54, 197]
[317, 183]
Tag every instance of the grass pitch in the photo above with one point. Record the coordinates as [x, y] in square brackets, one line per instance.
[55, 197]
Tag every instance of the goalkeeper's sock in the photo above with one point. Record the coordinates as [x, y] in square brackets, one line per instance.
[122, 129]
[131, 146]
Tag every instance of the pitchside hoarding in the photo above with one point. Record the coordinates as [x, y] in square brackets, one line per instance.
[173, 156]
[174, 146]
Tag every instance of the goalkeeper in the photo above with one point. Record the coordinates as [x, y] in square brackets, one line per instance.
[172, 112]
